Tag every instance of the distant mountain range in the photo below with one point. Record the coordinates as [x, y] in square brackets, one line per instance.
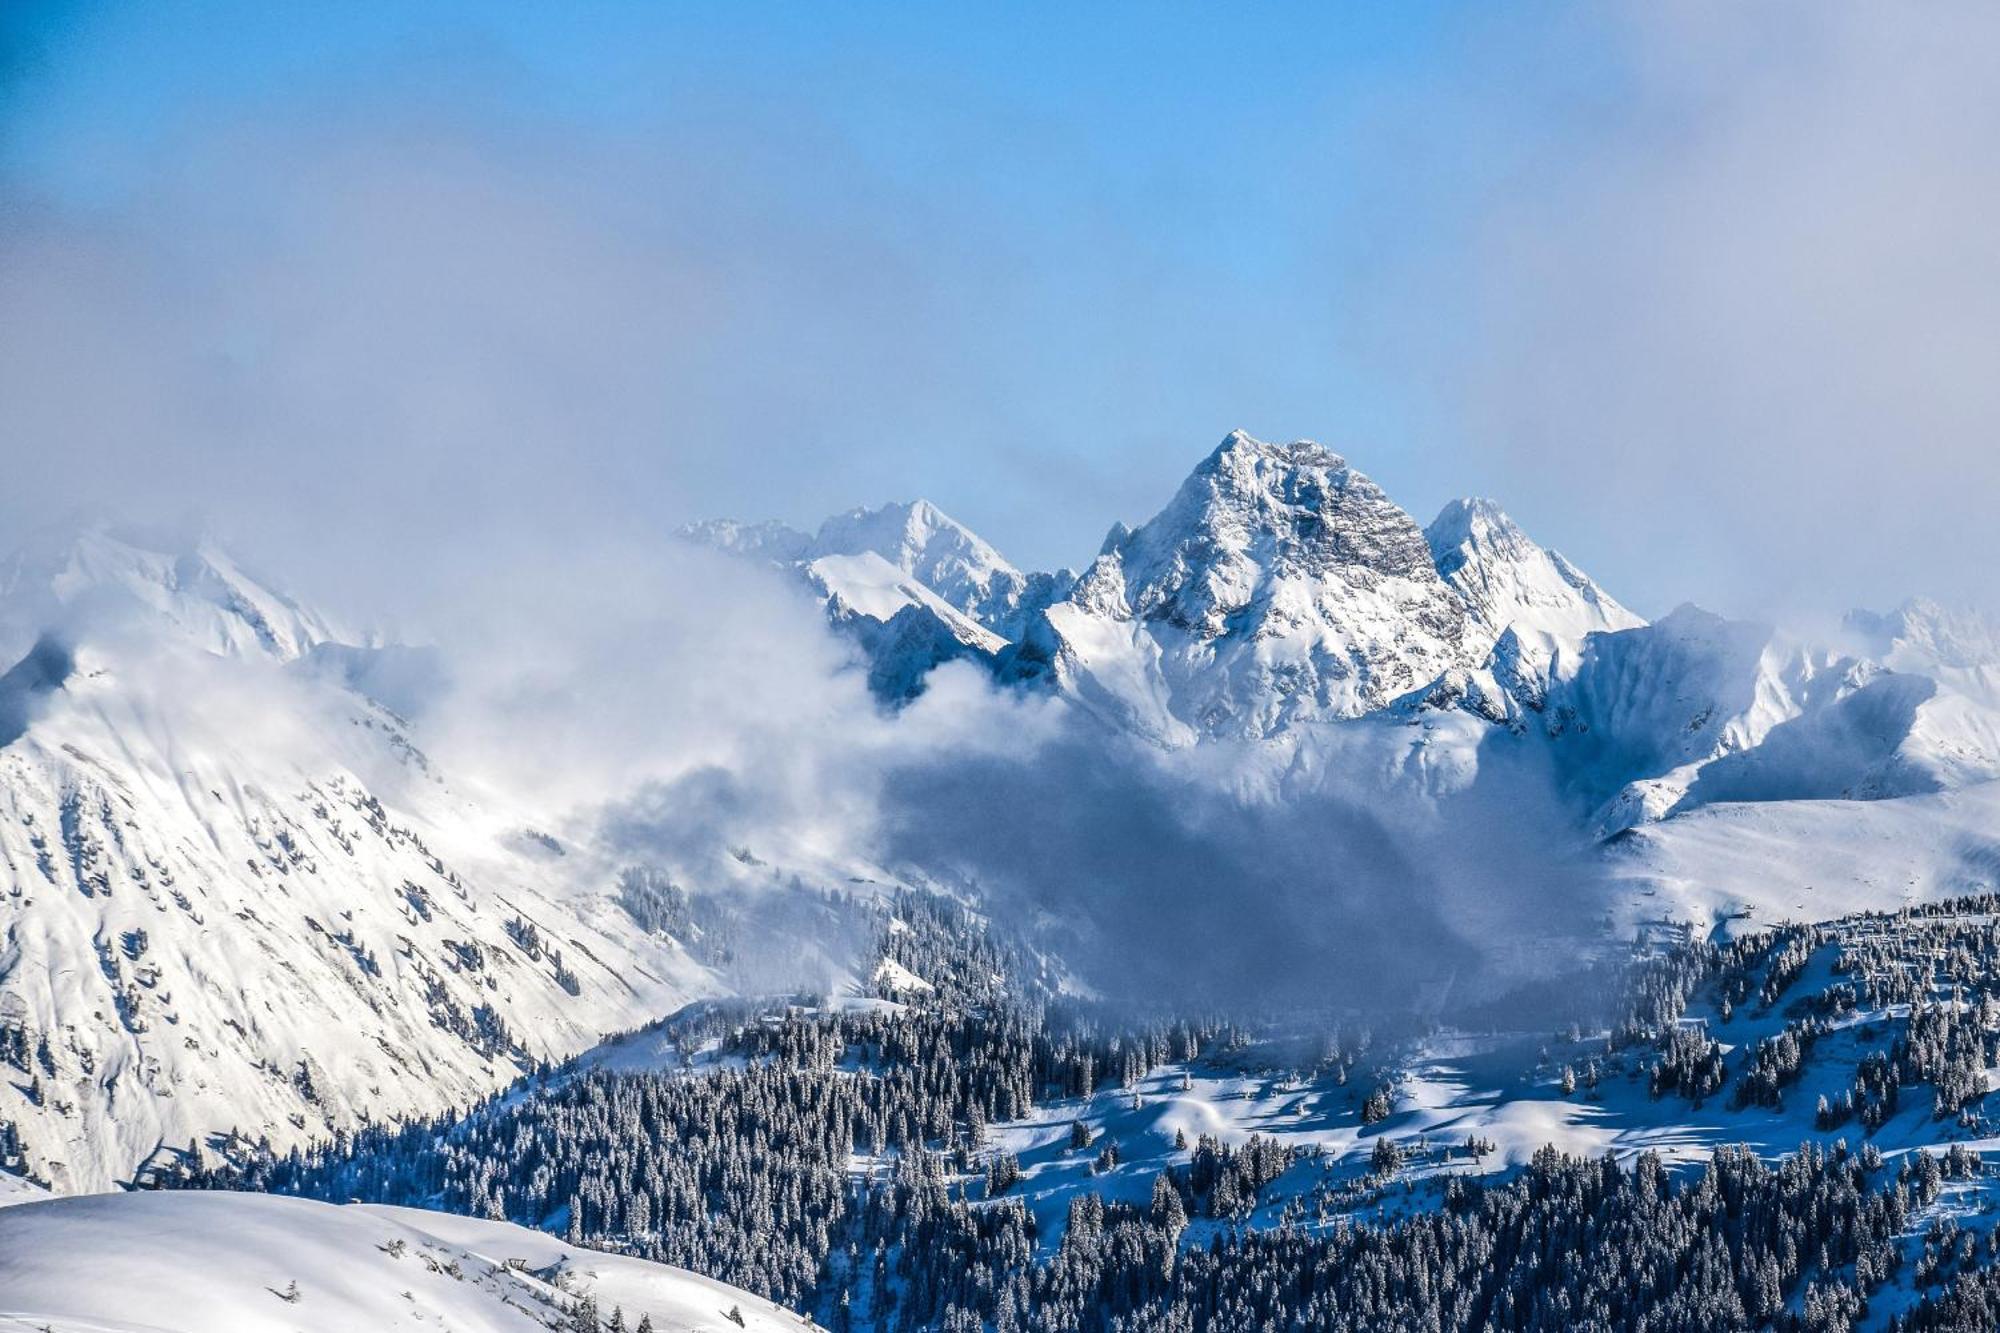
[239, 895]
[1281, 592]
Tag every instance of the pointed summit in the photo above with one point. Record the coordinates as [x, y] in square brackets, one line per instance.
[1279, 584]
[1298, 508]
[1507, 581]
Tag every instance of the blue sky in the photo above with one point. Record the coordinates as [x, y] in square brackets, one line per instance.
[629, 264]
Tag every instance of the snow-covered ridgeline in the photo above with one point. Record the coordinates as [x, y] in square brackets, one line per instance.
[238, 896]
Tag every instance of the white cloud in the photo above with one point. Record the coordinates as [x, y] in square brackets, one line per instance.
[1715, 294]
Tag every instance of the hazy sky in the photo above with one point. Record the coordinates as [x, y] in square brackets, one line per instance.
[1706, 295]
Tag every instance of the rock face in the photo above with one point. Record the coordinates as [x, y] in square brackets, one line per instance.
[1279, 585]
[235, 894]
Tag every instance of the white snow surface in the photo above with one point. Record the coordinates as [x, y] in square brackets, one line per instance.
[238, 896]
[1508, 582]
[227, 1263]
[868, 585]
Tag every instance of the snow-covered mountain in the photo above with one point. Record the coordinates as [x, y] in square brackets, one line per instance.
[241, 1263]
[1281, 586]
[1281, 592]
[1508, 582]
[909, 584]
[238, 895]
[945, 556]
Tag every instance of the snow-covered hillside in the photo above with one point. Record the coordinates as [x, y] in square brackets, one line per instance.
[238, 896]
[234, 1263]
[1801, 860]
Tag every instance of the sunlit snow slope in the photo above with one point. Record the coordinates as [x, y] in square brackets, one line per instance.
[246, 1263]
[234, 895]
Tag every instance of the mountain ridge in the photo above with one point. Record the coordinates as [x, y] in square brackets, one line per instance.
[213, 805]
[239, 896]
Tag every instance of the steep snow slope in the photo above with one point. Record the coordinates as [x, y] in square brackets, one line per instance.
[902, 627]
[1278, 586]
[224, 1263]
[920, 542]
[1507, 581]
[235, 895]
[868, 586]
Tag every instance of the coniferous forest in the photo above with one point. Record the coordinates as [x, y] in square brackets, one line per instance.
[843, 1161]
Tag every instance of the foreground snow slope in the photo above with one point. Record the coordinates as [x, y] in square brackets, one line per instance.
[238, 1263]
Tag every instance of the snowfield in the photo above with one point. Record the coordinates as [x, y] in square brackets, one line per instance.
[1807, 860]
[247, 1263]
